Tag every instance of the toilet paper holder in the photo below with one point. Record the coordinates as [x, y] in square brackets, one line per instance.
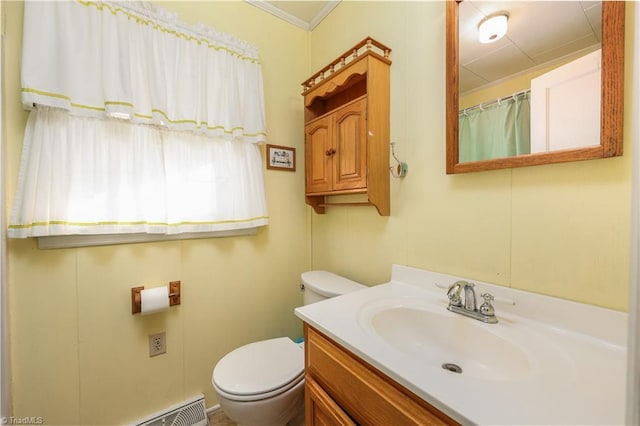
[136, 299]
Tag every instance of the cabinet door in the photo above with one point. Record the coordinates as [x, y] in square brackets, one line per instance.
[318, 156]
[350, 159]
[366, 394]
[320, 409]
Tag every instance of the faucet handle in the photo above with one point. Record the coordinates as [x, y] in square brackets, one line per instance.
[454, 293]
[486, 308]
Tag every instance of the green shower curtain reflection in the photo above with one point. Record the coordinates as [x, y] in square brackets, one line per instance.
[500, 129]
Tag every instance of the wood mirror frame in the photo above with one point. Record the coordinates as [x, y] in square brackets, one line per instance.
[611, 114]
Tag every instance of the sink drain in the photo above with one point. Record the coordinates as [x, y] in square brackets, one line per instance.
[452, 367]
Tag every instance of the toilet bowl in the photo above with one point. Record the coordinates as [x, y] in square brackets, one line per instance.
[262, 383]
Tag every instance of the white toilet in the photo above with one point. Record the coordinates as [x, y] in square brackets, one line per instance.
[262, 383]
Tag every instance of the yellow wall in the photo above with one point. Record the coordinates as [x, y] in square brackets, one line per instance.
[561, 230]
[78, 355]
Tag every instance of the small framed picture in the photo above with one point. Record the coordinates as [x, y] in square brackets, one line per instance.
[281, 158]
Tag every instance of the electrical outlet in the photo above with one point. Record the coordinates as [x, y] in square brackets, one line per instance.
[157, 344]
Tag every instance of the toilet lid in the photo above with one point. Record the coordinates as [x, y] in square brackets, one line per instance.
[259, 367]
[329, 284]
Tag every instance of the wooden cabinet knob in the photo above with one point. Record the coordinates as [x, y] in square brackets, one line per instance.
[330, 152]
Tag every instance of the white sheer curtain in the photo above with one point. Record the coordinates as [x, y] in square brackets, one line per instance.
[132, 178]
[139, 124]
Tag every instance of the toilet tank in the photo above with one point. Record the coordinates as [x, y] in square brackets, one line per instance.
[321, 285]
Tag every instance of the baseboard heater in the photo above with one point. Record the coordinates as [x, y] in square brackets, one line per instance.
[191, 412]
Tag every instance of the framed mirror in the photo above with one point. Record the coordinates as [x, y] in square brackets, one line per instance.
[610, 68]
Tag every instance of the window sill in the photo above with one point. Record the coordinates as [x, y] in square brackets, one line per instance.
[69, 241]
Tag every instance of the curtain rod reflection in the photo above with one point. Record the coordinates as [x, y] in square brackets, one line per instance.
[483, 105]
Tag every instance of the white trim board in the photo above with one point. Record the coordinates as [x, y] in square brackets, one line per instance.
[271, 8]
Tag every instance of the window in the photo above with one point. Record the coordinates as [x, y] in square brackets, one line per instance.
[138, 124]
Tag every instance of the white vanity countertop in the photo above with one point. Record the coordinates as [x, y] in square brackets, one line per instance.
[575, 353]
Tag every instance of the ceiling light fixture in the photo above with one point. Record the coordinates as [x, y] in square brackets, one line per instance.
[493, 27]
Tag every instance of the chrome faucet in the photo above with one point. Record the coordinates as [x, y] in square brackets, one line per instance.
[469, 297]
[485, 313]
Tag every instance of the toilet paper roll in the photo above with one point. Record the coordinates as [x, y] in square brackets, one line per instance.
[154, 300]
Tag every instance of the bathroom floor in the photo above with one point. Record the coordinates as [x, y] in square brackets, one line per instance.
[218, 418]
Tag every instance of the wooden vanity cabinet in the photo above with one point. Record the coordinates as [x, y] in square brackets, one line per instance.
[342, 389]
[347, 129]
[320, 409]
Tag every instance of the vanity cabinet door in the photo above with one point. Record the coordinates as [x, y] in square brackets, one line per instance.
[363, 393]
[320, 409]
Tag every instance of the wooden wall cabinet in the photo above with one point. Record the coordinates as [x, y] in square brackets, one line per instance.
[346, 110]
[342, 389]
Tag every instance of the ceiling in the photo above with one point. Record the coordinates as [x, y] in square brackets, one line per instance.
[540, 33]
[305, 14]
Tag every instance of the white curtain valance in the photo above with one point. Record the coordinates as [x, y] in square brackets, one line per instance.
[133, 61]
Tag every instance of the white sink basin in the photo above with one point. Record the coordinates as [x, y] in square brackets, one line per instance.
[547, 360]
[460, 345]
[441, 339]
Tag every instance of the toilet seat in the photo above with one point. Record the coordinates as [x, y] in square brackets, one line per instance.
[259, 370]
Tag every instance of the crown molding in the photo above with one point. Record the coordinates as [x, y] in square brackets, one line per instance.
[294, 20]
[323, 14]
